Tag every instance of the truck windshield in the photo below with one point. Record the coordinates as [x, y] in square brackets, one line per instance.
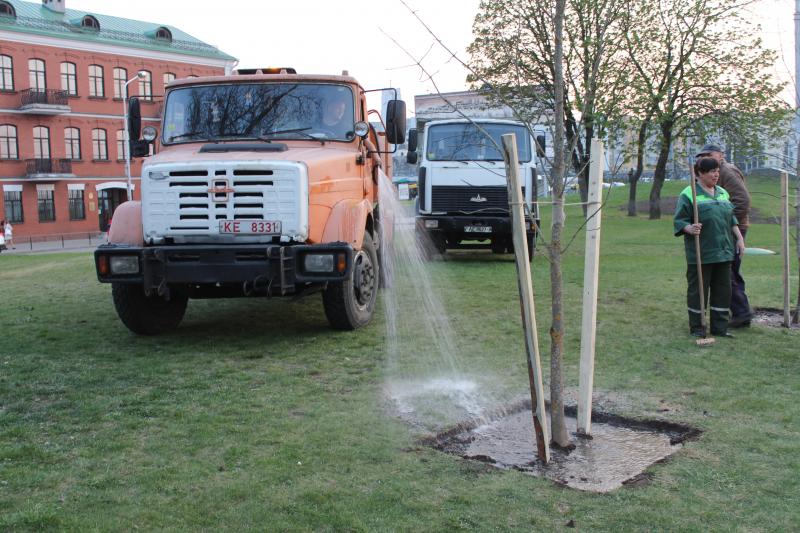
[259, 110]
[465, 142]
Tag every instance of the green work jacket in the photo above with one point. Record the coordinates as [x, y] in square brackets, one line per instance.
[717, 243]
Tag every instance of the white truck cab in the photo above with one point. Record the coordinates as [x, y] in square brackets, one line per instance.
[463, 194]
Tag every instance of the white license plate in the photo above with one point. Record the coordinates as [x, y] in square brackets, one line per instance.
[252, 227]
[478, 229]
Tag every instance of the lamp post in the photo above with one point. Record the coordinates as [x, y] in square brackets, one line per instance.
[126, 140]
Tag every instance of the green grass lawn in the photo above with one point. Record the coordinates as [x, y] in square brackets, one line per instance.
[255, 415]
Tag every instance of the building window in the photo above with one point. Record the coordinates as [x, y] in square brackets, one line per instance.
[8, 142]
[6, 73]
[99, 145]
[13, 206]
[96, 81]
[36, 75]
[90, 23]
[163, 34]
[47, 205]
[72, 143]
[41, 142]
[169, 77]
[7, 10]
[76, 208]
[120, 77]
[68, 79]
[122, 145]
[146, 85]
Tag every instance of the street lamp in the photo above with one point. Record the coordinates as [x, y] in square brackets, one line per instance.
[126, 140]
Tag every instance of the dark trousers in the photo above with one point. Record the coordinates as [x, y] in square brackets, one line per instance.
[717, 291]
[740, 306]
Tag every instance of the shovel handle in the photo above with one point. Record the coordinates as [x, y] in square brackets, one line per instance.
[697, 253]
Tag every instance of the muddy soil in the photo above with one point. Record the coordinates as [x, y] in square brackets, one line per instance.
[770, 317]
[618, 453]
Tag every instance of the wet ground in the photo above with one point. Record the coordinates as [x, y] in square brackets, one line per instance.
[618, 453]
[767, 316]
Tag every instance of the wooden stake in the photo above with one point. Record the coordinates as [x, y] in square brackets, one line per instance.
[590, 281]
[526, 302]
[785, 247]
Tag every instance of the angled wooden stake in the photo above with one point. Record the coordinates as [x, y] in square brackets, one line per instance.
[526, 303]
[590, 280]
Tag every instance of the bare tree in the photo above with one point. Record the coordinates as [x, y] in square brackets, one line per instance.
[697, 60]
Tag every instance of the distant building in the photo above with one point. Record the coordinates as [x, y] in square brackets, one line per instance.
[63, 75]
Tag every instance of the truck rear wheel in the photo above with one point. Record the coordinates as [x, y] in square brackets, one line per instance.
[147, 315]
[531, 242]
[350, 304]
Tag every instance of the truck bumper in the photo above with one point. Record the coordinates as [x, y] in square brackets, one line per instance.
[468, 227]
[274, 268]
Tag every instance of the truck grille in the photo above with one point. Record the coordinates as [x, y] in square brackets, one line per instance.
[190, 202]
[469, 199]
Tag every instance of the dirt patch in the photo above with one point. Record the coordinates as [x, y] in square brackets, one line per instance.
[770, 317]
[617, 454]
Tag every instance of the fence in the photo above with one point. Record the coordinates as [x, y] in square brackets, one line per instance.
[59, 241]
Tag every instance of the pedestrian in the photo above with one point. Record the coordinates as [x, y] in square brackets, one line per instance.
[8, 233]
[720, 239]
[732, 180]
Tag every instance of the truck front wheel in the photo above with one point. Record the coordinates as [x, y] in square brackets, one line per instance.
[147, 315]
[350, 304]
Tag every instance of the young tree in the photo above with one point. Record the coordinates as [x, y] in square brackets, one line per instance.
[555, 62]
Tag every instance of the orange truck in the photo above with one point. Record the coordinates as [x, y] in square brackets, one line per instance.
[265, 184]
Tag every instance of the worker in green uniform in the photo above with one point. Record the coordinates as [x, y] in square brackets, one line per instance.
[720, 238]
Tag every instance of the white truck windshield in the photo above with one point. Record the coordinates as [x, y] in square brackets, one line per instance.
[465, 142]
[259, 111]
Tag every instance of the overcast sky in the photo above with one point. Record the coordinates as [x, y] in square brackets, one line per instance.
[321, 36]
[328, 36]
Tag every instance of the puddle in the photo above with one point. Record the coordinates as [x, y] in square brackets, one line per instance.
[618, 453]
[771, 317]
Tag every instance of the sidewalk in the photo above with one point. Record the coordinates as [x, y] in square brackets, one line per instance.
[27, 245]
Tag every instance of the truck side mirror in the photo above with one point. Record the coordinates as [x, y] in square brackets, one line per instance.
[540, 146]
[137, 147]
[412, 140]
[396, 121]
[411, 155]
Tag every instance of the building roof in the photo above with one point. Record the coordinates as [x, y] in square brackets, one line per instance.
[36, 19]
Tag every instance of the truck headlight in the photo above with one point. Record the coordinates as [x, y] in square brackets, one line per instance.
[431, 223]
[124, 264]
[318, 263]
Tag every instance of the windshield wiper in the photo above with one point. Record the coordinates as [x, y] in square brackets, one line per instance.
[187, 134]
[302, 131]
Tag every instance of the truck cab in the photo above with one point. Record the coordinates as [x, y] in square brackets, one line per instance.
[265, 184]
[462, 191]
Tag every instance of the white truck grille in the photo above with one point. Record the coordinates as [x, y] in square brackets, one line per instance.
[185, 202]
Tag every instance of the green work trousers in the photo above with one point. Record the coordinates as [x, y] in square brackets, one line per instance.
[717, 290]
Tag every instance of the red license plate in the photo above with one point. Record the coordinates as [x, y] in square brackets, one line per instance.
[253, 227]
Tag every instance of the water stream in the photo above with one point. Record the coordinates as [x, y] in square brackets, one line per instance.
[427, 377]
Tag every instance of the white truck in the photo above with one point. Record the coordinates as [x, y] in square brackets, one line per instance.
[463, 197]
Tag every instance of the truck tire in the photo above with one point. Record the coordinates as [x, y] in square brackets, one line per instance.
[531, 242]
[499, 245]
[350, 304]
[147, 315]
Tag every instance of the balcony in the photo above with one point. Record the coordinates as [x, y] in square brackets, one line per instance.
[48, 168]
[46, 102]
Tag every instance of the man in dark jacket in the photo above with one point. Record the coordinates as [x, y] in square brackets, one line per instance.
[732, 180]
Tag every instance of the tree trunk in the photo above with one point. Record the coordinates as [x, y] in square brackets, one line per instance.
[661, 170]
[558, 428]
[634, 179]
